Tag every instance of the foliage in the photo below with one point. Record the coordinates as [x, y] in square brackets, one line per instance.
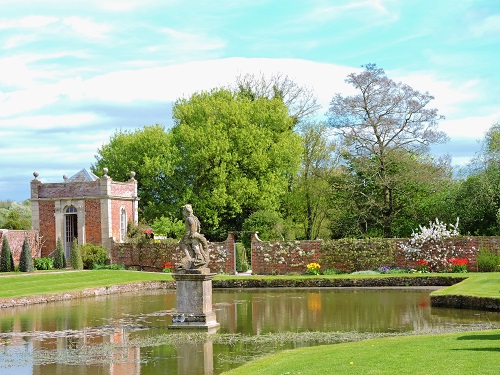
[268, 225]
[147, 152]
[93, 255]
[389, 270]
[308, 201]
[487, 260]
[313, 268]
[241, 258]
[235, 156]
[429, 245]
[6, 258]
[44, 263]
[167, 226]
[138, 234]
[59, 256]
[15, 215]
[383, 123]
[348, 254]
[116, 267]
[26, 259]
[76, 256]
[477, 199]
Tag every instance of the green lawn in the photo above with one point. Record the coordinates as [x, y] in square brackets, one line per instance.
[476, 285]
[457, 353]
[22, 285]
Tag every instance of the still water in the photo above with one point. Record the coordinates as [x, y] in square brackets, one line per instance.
[127, 334]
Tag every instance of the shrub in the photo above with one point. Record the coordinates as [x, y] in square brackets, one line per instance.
[44, 263]
[25, 260]
[487, 261]
[6, 259]
[76, 256]
[93, 255]
[241, 258]
[432, 245]
[59, 257]
[117, 267]
[347, 255]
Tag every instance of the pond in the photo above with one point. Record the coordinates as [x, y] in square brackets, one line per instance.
[128, 333]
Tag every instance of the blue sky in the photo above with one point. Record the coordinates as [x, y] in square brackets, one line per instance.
[73, 72]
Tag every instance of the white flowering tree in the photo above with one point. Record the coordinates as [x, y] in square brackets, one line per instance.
[429, 246]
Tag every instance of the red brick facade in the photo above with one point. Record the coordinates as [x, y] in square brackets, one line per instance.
[91, 209]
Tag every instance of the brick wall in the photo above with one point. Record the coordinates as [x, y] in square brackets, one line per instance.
[93, 233]
[16, 240]
[151, 257]
[293, 257]
[122, 189]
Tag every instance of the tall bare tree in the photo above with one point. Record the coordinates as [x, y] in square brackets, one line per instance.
[301, 101]
[379, 123]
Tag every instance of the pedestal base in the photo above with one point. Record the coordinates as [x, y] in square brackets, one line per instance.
[194, 302]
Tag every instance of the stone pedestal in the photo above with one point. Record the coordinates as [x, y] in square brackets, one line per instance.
[194, 300]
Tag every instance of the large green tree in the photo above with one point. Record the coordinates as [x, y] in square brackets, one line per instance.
[308, 200]
[235, 155]
[147, 152]
[477, 200]
[14, 215]
[383, 123]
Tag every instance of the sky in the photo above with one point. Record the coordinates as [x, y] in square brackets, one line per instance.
[73, 73]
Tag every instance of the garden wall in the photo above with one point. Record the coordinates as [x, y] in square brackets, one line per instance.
[349, 255]
[16, 240]
[153, 256]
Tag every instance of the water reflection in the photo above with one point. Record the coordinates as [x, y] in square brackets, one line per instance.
[93, 335]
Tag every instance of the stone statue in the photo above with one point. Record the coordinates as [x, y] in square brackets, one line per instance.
[194, 244]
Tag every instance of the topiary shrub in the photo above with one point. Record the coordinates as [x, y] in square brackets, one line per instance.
[6, 260]
[93, 255]
[44, 264]
[25, 260]
[76, 256]
[59, 257]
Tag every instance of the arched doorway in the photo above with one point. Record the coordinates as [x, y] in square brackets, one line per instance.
[70, 229]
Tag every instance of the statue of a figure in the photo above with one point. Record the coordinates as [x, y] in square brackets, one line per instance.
[194, 244]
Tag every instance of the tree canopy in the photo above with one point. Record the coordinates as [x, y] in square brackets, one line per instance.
[235, 155]
[384, 123]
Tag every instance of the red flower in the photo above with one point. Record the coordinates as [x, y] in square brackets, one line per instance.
[422, 262]
[168, 265]
[458, 261]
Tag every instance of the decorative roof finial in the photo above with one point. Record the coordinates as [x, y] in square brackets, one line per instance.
[65, 178]
[36, 174]
[105, 171]
[132, 175]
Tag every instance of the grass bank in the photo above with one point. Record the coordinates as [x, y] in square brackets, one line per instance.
[26, 285]
[458, 353]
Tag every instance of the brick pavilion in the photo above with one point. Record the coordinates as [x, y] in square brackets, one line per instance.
[83, 207]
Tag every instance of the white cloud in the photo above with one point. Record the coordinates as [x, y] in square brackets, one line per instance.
[86, 27]
[27, 123]
[469, 127]
[29, 22]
